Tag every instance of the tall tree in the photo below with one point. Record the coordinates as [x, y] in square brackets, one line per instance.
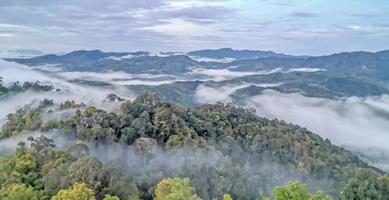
[175, 188]
[79, 191]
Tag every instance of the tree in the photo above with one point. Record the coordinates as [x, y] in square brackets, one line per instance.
[143, 145]
[367, 184]
[109, 197]
[292, 191]
[227, 197]
[175, 189]
[19, 192]
[79, 191]
[297, 191]
[320, 196]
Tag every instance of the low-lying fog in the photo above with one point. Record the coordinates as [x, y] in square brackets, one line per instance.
[359, 124]
[356, 123]
[12, 72]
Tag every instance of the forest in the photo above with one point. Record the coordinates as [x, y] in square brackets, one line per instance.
[16, 87]
[151, 149]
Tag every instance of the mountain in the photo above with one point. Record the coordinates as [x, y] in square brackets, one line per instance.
[358, 64]
[98, 61]
[338, 75]
[79, 58]
[236, 54]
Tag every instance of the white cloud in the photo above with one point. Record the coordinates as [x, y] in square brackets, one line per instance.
[11, 26]
[212, 95]
[305, 69]
[179, 27]
[205, 94]
[354, 121]
[6, 35]
[223, 74]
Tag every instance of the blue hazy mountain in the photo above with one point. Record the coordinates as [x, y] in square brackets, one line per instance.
[237, 54]
[338, 75]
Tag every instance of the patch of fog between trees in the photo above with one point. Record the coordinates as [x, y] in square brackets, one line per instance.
[189, 161]
[183, 161]
[9, 145]
[355, 122]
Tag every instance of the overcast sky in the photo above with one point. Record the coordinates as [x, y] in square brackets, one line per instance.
[289, 26]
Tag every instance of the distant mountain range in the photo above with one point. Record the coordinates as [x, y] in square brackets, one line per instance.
[365, 64]
[237, 54]
[338, 75]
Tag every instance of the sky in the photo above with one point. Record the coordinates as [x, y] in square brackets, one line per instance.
[299, 27]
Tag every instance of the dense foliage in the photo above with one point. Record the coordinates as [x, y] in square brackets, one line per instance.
[175, 188]
[225, 151]
[16, 87]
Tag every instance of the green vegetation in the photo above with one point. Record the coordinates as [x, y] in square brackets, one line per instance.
[224, 151]
[297, 191]
[175, 188]
[79, 191]
[366, 184]
[24, 119]
[20, 87]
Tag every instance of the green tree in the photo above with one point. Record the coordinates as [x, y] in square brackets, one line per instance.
[79, 191]
[292, 191]
[367, 184]
[19, 192]
[109, 197]
[175, 189]
[297, 191]
[227, 197]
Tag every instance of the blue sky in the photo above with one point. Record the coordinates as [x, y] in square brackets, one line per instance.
[313, 27]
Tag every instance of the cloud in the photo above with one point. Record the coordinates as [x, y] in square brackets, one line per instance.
[200, 14]
[354, 122]
[179, 27]
[12, 26]
[302, 15]
[6, 34]
[223, 74]
[212, 95]
[163, 25]
[12, 72]
[304, 69]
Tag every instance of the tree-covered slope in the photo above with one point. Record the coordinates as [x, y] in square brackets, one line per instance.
[221, 148]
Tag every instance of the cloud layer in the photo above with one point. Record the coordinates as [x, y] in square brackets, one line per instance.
[290, 26]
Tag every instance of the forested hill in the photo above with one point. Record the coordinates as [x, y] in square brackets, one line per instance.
[222, 149]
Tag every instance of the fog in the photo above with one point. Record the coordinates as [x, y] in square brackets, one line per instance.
[219, 60]
[119, 78]
[205, 94]
[185, 161]
[225, 74]
[9, 145]
[356, 123]
[12, 72]
[361, 122]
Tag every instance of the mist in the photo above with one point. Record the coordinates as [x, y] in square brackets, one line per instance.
[184, 162]
[90, 95]
[205, 94]
[354, 121]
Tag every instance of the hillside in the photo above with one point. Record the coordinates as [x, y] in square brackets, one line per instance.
[221, 148]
